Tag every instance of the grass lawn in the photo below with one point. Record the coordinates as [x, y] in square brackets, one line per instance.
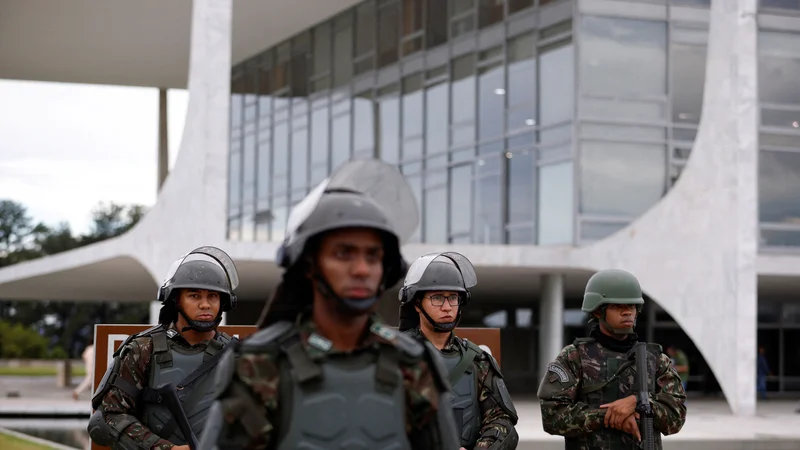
[8, 442]
[37, 372]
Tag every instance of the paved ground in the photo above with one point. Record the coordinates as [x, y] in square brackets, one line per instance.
[709, 425]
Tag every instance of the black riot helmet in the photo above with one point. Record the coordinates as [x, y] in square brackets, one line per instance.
[359, 194]
[203, 268]
[448, 271]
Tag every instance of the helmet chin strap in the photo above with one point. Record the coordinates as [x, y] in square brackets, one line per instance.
[347, 305]
[441, 327]
[201, 326]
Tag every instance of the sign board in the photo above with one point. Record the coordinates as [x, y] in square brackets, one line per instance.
[108, 338]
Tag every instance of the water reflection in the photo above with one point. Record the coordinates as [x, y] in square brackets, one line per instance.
[69, 432]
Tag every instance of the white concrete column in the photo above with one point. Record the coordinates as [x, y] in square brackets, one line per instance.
[551, 319]
[224, 319]
[155, 307]
[163, 139]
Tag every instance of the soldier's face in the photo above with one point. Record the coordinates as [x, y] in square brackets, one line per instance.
[199, 304]
[441, 306]
[351, 261]
[621, 316]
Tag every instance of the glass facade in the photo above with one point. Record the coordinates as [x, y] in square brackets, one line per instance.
[515, 122]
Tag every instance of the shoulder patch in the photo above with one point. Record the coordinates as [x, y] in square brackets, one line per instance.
[267, 336]
[560, 371]
[582, 340]
[403, 342]
[171, 333]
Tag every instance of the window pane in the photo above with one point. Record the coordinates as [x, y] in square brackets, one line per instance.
[436, 26]
[608, 131]
[594, 231]
[365, 28]
[488, 201]
[779, 187]
[364, 129]
[629, 109]
[518, 5]
[235, 182]
[785, 4]
[521, 71]
[341, 140]
[491, 103]
[436, 119]
[490, 12]
[235, 229]
[412, 106]
[279, 218]
[264, 174]
[322, 48]
[281, 153]
[460, 199]
[415, 181]
[390, 129]
[343, 51]
[521, 235]
[435, 218]
[388, 33]
[688, 77]
[555, 202]
[249, 169]
[779, 67]
[621, 178]
[612, 46]
[520, 186]
[557, 88]
[237, 101]
[780, 238]
[781, 118]
[299, 159]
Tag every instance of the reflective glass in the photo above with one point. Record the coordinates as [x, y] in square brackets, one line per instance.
[555, 201]
[521, 235]
[279, 217]
[412, 106]
[521, 186]
[343, 51]
[594, 231]
[435, 216]
[623, 108]
[299, 158]
[320, 139]
[557, 89]
[249, 168]
[436, 23]
[280, 161]
[623, 179]
[264, 173]
[235, 181]
[705, 3]
[780, 238]
[521, 83]
[460, 199]
[783, 4]
[235, 229]
[608, 131]
[518, 5]
[779, 187]
[688, 67]
[365, 28]
[322, 48]
[364, 125]
[612, 46]
[388, 33]
[779, 67]
[415, 182]
[340, 150]
[436, 115]
[487, 203]
[490, 12]
[491, 102]
[390, 129]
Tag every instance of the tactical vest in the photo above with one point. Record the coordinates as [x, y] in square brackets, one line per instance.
[354, 400]
[607, 390]
[464, 380]
[171, 363]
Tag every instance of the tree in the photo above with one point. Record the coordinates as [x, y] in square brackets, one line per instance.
[21, 239]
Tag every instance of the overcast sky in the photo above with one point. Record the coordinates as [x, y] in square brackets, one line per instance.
[66, 147]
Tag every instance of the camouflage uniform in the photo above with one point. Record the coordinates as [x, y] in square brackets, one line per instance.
[135, 369]
[495, 421]
[601, 369]
[258, 375]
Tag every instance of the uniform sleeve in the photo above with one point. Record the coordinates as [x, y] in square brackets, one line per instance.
[249, 404]
[669, 400]
[561, 414]
[119, 407]
[496, 422]
[428, 426]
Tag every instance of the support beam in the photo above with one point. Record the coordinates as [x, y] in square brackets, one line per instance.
[551, 319]
[163, 139]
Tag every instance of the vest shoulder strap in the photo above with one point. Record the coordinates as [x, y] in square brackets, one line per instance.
[467, 358]
[402, 341]
[582, 341]
[268, 337]
[130, 338]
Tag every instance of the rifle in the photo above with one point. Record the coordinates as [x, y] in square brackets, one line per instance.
[169, 396]
[643, 406]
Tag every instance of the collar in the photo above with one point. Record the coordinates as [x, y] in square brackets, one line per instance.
[620, 346]
[451, 345]
[175, 335]
[376, 334]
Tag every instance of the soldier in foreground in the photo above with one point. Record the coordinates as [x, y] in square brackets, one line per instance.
[588, 393]
[181, 352]
[436, 287]
[325, 372]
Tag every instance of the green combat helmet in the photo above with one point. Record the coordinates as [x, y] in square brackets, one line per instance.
[608, 287]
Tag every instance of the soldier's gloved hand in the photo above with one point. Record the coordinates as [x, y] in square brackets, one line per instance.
[618, 411]
[631, 427]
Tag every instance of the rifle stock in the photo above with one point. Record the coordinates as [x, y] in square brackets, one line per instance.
[643, 406]
[169, 396]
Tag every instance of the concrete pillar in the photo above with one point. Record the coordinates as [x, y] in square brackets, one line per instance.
[551, 320]
[155, 307]
[163, 139]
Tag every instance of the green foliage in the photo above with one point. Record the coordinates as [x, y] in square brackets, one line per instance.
[18, 341]
[69, 324]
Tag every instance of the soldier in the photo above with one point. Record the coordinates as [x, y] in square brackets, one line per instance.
[588, 394]
[436, 287]
[325, 372]
[171, 363]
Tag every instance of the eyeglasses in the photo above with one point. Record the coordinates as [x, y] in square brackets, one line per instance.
[438, 300]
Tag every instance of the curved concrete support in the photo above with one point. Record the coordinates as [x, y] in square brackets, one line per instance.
[695, 251]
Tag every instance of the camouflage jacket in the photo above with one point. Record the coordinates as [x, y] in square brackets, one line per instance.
[256, 383]
[574, 387]
[135, 369]
[495, 421]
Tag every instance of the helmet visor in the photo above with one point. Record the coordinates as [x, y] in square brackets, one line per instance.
[203, 253]
[417, 270]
